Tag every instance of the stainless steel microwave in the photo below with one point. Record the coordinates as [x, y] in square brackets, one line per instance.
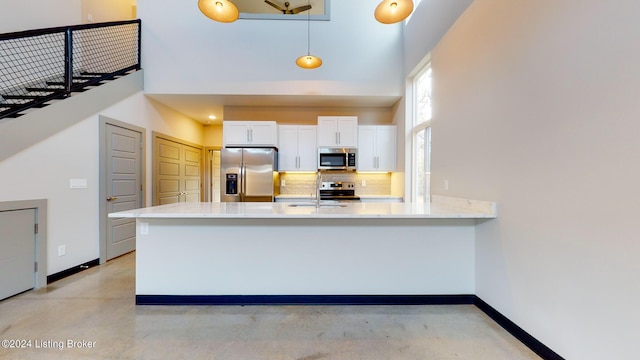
[336, 159]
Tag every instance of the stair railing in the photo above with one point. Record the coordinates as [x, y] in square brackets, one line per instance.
[37, 66]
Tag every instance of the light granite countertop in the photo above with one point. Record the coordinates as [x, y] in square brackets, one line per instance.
[441, 207]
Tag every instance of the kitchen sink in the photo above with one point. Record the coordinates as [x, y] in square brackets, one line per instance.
[314, 205]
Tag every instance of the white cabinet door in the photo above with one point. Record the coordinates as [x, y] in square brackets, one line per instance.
[377, 148]
[348, 131]
[366, 148]
[297, 150]
[386, 148]
[338, 131]
[235, 132]
[288, 149]
[263, 133]
[327, 131]
[250, 133]
[307, 149]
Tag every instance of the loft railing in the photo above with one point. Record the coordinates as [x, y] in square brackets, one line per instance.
[37, 66]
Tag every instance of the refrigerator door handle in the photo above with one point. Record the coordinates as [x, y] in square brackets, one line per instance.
[244, 181]
[240, 182]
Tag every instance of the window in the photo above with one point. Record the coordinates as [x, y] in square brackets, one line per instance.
[421, 135]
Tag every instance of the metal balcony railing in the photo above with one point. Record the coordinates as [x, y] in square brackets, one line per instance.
[37, 66]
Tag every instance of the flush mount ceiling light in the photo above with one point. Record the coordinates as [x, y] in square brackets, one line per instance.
[309, 61]
[393, 11]
[219, 10]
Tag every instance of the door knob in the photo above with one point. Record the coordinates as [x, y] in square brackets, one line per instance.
[111, 198]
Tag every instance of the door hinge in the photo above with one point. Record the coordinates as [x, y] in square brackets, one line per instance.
[35, 266]
[35, 228]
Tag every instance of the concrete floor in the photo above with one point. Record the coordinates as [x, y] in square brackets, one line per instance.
[97, 307]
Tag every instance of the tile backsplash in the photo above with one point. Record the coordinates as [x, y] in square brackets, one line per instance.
[366, 184]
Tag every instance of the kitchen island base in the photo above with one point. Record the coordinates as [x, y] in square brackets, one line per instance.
[285, 260]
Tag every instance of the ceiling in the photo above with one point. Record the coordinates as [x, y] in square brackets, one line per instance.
[199, 107]
[248, 8]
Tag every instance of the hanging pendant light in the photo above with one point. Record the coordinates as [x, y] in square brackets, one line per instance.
[308, 61]
[219, 10]
[393, 11]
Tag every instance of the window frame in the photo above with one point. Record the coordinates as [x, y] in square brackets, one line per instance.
[414, 129]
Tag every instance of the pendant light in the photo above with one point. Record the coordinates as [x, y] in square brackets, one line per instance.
[308, 61]
[393, 11]
[219, 10]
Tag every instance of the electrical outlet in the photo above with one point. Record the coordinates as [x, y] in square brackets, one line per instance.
[144, 228]
[62, 250]
[282, 183]
[446, 184]
[364, 183]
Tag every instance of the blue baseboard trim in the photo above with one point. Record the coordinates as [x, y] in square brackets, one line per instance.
[532, 343]
[74, 270]
[305, 299]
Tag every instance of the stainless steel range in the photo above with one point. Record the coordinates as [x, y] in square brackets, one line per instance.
[338, 191]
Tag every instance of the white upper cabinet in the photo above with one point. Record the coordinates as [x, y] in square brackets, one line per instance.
[297, 150]
[377, 148]
[338, 131]
[250, 133]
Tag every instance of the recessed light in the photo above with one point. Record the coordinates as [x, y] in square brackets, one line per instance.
[212, 117]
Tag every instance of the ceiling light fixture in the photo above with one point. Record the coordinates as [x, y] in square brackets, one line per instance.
[393, 11]
[219, 10]
[212, 117]
[309, 61]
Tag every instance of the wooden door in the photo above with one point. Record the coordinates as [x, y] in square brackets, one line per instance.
[191, 179]
[177, 172]
[169, 161]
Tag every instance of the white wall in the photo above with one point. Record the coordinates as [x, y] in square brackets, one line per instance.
[94, 11]
[36, 14]
[187, 53]
[429, 21]
[19, 15]
[536, 107]
[44, 170]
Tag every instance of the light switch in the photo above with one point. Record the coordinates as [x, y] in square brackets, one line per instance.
[77, 183]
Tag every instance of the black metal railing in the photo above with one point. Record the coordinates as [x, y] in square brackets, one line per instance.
[37, 66]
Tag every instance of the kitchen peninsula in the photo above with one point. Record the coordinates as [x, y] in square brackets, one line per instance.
[221, 253]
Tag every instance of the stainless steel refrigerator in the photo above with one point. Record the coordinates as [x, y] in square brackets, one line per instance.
[249, 174]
